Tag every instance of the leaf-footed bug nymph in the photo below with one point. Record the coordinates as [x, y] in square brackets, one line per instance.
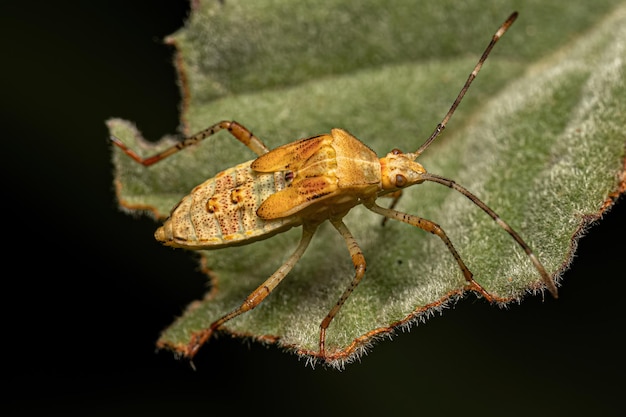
[305, 183]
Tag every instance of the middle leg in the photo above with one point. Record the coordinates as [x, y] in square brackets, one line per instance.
[358, 260]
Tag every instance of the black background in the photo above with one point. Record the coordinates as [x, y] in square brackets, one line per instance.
[87, 290]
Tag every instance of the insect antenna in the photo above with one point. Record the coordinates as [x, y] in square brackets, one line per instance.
[505, 26]
[451, 184]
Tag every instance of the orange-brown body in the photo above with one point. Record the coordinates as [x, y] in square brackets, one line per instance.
[312, 179]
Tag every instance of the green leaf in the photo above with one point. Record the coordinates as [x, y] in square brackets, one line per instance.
[539, 138]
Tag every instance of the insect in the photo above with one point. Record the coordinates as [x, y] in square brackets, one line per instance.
[305, 183]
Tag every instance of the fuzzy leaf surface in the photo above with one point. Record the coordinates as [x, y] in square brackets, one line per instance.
[539, 138]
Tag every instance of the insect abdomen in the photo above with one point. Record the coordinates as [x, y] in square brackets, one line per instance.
[222, 211]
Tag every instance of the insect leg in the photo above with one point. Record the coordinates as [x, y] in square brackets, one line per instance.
[257, 296]
[359, 265]
[240, 133]
[435, 229]
[396, 197]
[550, 285]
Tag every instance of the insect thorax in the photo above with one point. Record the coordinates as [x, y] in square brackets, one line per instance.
[327, 174]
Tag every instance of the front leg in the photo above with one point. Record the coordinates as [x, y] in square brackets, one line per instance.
[435, 229]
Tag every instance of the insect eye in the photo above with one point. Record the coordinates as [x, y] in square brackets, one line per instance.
[289, 176]
[396, 151]
[400, 181]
